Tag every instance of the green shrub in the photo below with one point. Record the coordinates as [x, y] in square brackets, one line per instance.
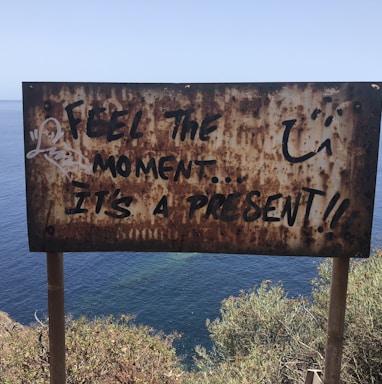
[262, 336]
[265, 336]
[362, 353]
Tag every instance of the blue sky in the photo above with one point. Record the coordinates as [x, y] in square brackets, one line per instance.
[188, 41]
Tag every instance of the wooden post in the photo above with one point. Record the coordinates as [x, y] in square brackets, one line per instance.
[336, 320]
[55, 269]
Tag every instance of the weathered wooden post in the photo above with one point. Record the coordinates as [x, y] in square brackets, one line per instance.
[336, 320]
[55, 269]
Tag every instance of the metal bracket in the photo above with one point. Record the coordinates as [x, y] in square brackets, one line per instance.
[313, 376]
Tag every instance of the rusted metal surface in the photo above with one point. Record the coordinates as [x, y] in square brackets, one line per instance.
[279, 169]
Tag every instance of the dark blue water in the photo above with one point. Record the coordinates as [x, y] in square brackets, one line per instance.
[169, 291]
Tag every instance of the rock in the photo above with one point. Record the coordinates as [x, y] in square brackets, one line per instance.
[8, 325]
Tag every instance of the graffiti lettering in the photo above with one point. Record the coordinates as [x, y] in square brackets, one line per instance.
[118, 205]
[165, 168]
[97, 125]
[190, 127]
[234, 206]
[55, 150]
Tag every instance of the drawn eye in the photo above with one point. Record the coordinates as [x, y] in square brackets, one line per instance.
[329, 119]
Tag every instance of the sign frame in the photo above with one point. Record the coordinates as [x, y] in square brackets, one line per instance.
[253, 168]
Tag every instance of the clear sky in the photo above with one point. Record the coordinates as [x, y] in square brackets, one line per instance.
[188, 41]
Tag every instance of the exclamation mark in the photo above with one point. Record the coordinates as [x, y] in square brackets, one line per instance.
[331, 205]
[337, 215]
[340, 211]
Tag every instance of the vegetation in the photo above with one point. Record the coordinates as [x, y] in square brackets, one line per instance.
[264, 337]
[261, 336]
[100, 351]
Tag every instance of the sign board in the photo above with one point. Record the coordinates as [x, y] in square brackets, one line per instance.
[277, 169]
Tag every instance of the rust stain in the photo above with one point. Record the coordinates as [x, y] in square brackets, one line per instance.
[280, 169]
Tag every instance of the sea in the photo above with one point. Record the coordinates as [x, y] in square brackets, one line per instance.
[167, 291]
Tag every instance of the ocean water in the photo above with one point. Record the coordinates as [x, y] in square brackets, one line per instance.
[168, 291]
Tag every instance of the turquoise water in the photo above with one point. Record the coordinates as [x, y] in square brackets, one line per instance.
[169, 291]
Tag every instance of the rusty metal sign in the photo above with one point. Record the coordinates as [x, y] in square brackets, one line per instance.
[277, 169]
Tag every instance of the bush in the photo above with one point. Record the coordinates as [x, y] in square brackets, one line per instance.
[262, 336]
[100, 351]
[265, 336]
[362, 353]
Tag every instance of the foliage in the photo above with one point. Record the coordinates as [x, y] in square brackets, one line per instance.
[265, 336]
[262, 336]
[362, 354]
[100, 351]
